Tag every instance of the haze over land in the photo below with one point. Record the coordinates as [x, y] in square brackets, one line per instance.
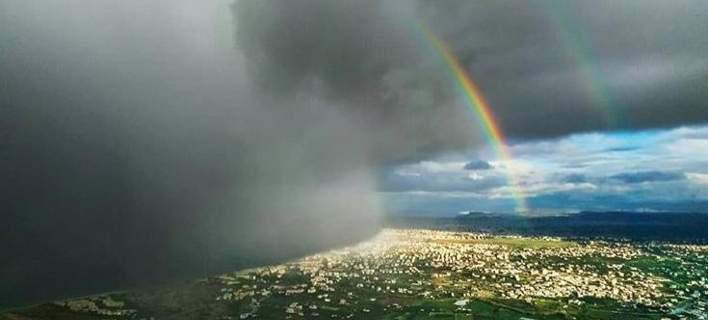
[145, 141]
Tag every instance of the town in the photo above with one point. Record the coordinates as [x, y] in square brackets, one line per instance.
[426, 274]
[545, 275]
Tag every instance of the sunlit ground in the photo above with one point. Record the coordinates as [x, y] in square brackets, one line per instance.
[423, 274]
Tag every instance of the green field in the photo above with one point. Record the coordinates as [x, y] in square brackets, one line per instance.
[410, 274]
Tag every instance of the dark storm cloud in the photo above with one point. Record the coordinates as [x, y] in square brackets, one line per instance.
[648, 176]
[477, 165]
[136, 150]
[364, 57]
[548, 68]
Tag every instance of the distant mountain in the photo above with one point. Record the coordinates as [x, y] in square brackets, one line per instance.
[643, 226]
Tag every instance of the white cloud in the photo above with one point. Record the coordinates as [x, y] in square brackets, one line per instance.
[542, 169]
[700, 178]
[437, 167]
[475, 176]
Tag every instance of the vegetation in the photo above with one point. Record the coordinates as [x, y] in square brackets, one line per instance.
[421, 274]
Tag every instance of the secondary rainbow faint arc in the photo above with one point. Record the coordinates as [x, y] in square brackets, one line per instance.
[580, 51]
[479, 105]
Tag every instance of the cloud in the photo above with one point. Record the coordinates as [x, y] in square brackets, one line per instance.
[478, 165]
[133, 154]
[572, 202]
[622, 149]
[359, 57]
[579, 172]
[575, 178]
[582, 66]
[393, 181]
[699, 178]
[648, 176]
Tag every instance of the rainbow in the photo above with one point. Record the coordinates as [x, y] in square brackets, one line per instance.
[483, 112]
[578, 51]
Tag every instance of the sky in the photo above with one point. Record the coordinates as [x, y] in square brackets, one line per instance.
[603, 103]
[646, 170]
[144, 141]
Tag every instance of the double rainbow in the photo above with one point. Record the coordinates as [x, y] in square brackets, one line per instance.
[480, 107]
